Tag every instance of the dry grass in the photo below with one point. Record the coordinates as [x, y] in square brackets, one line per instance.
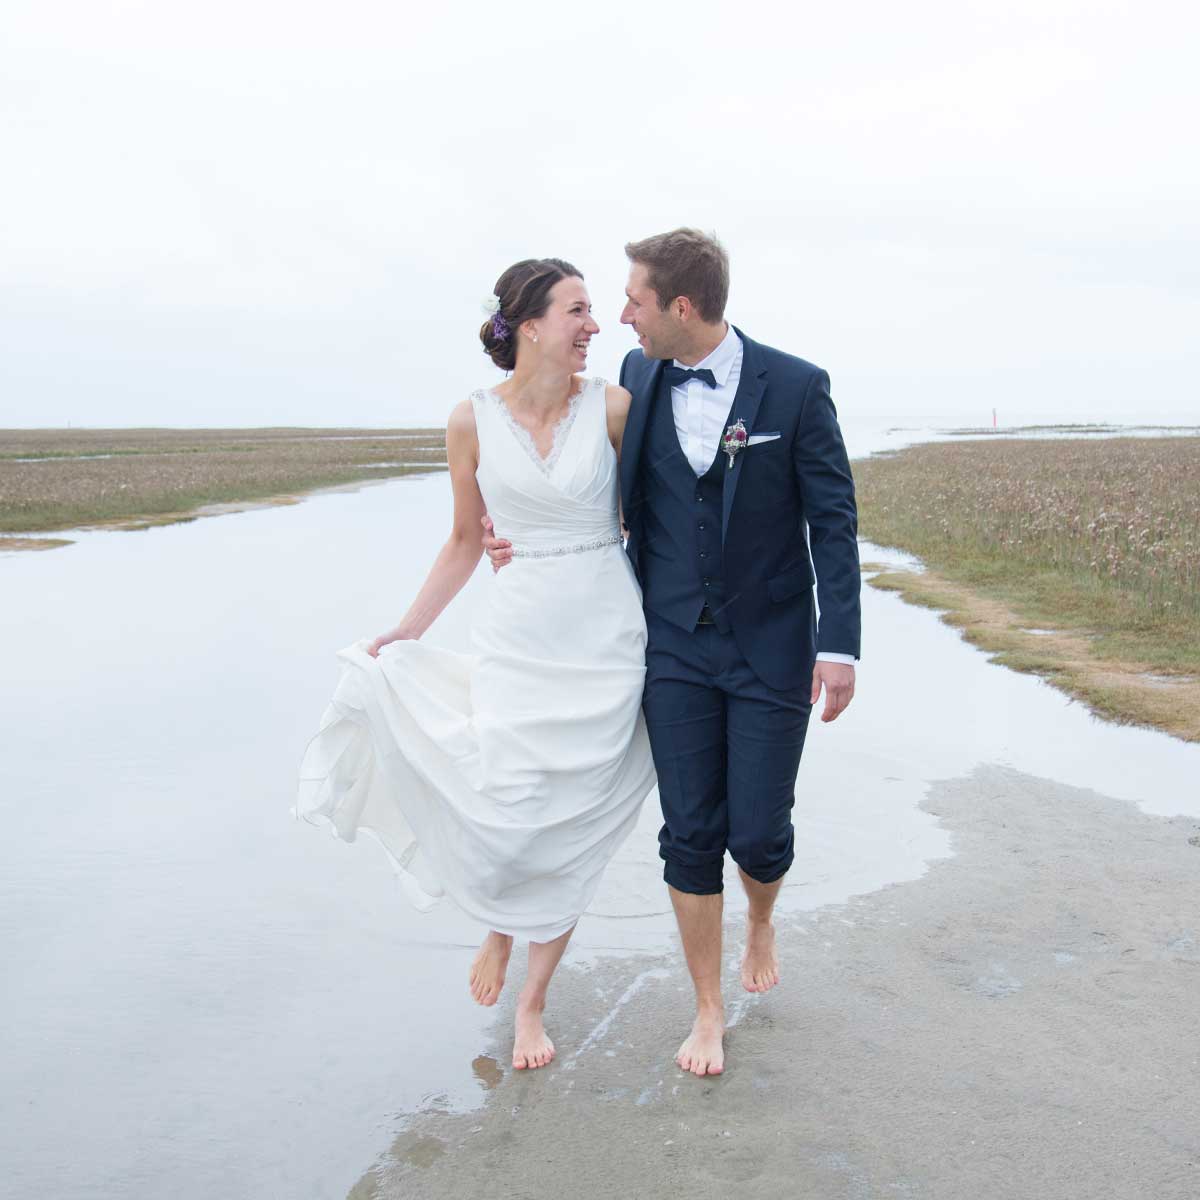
[1124, 690]
[32, 543]
[87, 477]
[1098, 541]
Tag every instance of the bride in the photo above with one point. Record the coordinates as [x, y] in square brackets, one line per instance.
[507, 778]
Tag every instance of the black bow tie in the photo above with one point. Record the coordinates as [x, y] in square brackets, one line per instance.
[678, 376]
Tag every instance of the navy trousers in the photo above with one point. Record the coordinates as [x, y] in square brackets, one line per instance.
[726, 748]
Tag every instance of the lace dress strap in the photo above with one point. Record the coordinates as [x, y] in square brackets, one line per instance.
[488, 396]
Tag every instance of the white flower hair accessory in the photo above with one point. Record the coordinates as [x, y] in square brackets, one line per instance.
[491, 305]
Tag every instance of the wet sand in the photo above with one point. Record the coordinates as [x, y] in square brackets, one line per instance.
[1020, 1022]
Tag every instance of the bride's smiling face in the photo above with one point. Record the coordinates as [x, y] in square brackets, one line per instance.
[564, 333]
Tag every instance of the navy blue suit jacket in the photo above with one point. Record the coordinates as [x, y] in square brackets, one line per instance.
[775, 492]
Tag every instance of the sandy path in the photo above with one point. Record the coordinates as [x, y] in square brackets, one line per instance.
[1021, 1022]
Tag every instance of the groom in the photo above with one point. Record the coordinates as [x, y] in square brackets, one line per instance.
[735, 485]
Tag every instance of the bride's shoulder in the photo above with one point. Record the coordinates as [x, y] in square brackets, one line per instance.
[611, 392]
[461, 422]
[616, 398]
[616, 410]
[478, 396]
[467, 409]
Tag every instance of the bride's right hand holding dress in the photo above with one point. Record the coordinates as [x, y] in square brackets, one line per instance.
[456, 562]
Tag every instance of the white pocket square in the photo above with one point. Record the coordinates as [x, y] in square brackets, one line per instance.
[755, 438]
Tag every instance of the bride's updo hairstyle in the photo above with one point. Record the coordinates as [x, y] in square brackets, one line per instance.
[524, 295]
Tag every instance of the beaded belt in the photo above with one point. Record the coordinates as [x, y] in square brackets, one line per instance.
[613, 539]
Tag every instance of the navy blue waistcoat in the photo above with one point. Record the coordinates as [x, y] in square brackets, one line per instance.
[681, 540]
[788, 495]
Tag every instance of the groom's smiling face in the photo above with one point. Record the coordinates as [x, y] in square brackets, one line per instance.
[657, 329]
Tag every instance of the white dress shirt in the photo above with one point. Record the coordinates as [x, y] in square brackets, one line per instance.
[700, 413]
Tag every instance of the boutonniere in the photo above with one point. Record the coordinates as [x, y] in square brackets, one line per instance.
[734, 440]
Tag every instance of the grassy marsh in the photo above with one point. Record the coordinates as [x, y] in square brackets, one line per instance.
[1076, 560]
[63, 479]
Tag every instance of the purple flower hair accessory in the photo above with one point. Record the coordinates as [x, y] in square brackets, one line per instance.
[500, 327]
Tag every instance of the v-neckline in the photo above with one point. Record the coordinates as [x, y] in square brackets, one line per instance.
[559, 435]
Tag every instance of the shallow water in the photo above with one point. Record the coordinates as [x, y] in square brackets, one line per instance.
[202, 996]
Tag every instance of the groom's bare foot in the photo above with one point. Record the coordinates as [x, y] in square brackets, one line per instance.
[489, 968]
[702, 1052]
[760, 964]
[533, 1047]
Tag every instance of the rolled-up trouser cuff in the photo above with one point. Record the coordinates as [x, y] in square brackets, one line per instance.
[770, 872]
[704, 879]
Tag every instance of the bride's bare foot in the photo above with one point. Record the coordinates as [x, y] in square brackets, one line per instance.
[533, 1047]
[702, 1052]
[760, 964]
[489, 967]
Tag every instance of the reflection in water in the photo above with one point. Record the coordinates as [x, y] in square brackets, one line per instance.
[487, 1071]
[204, 998]
[408, 1150]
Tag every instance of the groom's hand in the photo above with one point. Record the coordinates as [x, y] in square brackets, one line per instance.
[838, 681]
[498, 550]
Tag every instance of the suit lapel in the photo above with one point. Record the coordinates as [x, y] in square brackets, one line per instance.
[751, 385]
[634, 438]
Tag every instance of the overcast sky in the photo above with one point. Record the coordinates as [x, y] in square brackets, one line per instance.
[255, 212]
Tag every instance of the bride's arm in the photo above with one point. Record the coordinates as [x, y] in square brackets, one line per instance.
[464, 547]
[616, 403]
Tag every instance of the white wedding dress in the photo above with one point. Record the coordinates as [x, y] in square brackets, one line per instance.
[507, 778]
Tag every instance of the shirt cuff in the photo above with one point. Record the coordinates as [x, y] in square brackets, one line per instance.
[829, 656]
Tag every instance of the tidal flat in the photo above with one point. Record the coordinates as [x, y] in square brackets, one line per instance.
[195, 978]
[60, 479]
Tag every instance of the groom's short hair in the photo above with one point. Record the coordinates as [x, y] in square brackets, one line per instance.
[685, 262]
